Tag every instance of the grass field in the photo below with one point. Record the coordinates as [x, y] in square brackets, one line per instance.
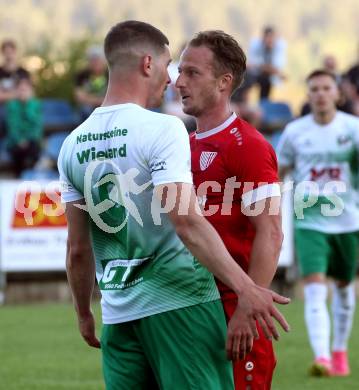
[40, 349]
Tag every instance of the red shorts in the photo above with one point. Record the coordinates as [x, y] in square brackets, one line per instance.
[256, 370]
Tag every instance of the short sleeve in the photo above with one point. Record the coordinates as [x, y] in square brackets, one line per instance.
[169, 159]
[254, 164]
[285, 150]
[68, 192]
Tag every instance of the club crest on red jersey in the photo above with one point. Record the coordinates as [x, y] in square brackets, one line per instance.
[206, 159]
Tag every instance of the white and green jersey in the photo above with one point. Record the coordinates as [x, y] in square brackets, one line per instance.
[114, 160]
[327, 157]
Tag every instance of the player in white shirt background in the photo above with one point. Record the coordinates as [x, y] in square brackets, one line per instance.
[321, 151]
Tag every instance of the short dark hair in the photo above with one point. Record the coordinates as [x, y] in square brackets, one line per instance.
[125, 35]
[320, 72]
[8, 43]
[268, 30]
[228, 55]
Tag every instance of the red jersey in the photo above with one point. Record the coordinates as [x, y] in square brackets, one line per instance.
[234, 152]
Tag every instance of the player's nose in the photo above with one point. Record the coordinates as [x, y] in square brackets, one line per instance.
[179, 82]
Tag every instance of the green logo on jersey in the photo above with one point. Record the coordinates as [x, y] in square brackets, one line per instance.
[119, 274]
[116, 215]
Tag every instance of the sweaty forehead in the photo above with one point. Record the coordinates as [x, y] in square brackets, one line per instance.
[200, 56]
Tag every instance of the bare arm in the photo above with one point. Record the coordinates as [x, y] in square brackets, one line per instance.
[254, 302]
[267, 243]
[80, 268]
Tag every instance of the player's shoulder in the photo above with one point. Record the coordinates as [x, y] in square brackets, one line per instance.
[72, 137]
[242, 135]
[160, 121]
[299, 125]
[164, 118]
[69, 144]
[348, 119]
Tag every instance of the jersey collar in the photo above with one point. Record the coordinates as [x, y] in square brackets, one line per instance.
[217, 129]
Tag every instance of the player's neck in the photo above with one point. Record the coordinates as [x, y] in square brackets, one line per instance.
[323, 118]
[124, 91]
[212, 119]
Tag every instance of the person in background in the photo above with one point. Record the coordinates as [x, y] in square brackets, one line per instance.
[24, 127]
[350, 88]
[10, 71]
[91, 82]
[344, 103]
[330, 64]
[266, 60]
[350, 93]
[240, 104]
[322, 149]
[353, 75]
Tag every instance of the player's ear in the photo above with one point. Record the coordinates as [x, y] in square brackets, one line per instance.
[147, 64]
[225, 82]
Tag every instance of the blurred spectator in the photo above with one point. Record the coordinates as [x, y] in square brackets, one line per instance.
[10, 70]
[24, 127]
[241, 106]
[266, 60]
[91, 82]
[330, 64]
[353, 75]
[351, 88]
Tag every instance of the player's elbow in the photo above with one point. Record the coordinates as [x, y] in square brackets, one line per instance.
[77, 253]
[271, 231]
[186, 230]
[276, 235]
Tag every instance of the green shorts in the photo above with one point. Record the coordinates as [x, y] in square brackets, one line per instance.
[181, 349]
[332, 254]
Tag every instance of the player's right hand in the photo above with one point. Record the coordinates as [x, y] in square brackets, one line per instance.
[254, 304]
[87, 330]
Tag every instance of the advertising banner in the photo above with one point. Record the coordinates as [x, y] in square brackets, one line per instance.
[33, 227]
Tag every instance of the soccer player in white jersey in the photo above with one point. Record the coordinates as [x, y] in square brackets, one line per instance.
[164, 325]
[321, 152]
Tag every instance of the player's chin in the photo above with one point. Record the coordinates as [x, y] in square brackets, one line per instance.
[186, 108]
[156, 103]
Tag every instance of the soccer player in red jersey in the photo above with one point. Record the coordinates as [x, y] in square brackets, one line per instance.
[235, 175]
